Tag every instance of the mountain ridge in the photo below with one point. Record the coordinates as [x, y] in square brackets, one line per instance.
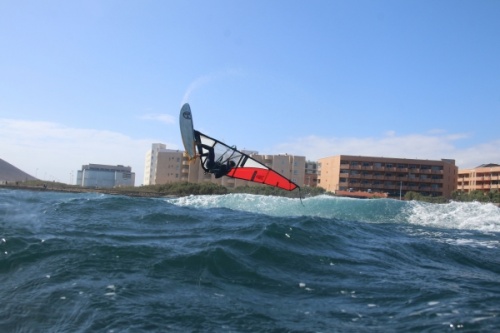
[10, 173]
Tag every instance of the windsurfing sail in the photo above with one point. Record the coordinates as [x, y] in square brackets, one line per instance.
[244, 167]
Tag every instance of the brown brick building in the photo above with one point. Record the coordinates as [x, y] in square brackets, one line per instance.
[395, 176]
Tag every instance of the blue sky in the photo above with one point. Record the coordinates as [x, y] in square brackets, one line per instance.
[100, 81]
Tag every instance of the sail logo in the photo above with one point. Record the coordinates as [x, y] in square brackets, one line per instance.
[186, 114]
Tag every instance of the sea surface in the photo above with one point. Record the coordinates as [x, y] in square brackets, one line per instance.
[246, 263]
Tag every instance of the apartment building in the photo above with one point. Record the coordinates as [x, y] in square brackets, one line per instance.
[107, 176]
[485, 177]
[292, 167]
[162, 165]
[395, 176]
[311, 174]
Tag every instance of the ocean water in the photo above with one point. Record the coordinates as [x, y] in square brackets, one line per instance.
[246, 263]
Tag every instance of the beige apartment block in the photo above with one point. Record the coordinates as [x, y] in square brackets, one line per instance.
[484, 178]
[162, 165]
[292, 167]
[395, 176]
[311, 174]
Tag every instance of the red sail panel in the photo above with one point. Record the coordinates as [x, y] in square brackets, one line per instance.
[263, 176]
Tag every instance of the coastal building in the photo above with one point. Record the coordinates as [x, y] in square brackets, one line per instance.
[290, 166]
[311, 174]
[167, 166]
[162, 165]
[394, 176]
[485, 178]
[107, 176]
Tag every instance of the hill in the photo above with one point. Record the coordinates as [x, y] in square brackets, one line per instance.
[9, 173]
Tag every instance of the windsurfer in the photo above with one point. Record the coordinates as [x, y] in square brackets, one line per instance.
[215, 167]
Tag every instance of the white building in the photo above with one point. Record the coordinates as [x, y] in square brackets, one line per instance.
[108, 176]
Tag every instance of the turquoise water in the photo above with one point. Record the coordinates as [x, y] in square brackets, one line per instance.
[246, 263]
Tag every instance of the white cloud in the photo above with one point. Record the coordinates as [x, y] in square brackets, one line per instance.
[53, 151]
[197, 83]
[206, 79]
[161, 117]
[433, 146]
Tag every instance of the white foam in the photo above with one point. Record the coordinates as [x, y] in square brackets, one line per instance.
[270, 205]
[456, 215]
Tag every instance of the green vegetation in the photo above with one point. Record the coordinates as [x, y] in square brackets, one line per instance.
[208, 188]
[493, 196]
[419, 197]
[269, 190]
[44, 184]
[172, 189]
[183, 188]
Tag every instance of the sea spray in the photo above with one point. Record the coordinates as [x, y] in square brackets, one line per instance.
[454, 215]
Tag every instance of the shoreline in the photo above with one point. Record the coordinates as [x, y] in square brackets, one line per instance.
[86, 190]
[131, 193]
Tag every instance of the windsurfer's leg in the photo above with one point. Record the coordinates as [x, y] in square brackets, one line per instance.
[210, 162]
[211, 157]
[197, 137]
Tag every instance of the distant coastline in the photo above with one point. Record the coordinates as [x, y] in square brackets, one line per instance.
[176, 190]
[48, 187]
[179, 189]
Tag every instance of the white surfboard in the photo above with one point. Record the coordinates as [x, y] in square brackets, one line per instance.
[187, 130]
